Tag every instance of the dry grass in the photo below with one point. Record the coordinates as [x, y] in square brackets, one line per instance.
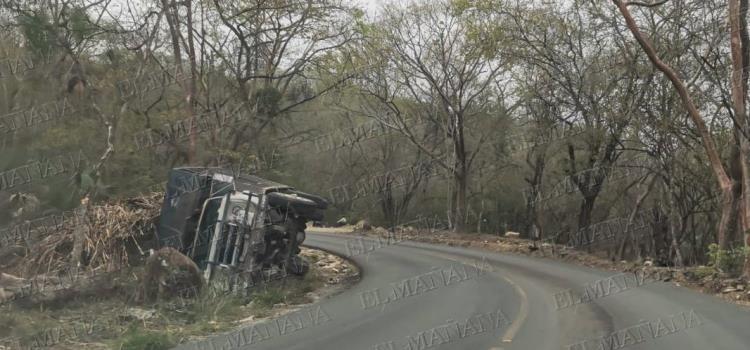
[109, 229]
[171, 321]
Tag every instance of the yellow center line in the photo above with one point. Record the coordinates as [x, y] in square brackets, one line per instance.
[523, 311]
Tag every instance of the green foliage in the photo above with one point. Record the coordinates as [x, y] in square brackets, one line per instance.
[141, 340]
[704, 271]
[364, 27]
[730, 261]
[482, 5]
[358, 14]
[80, 25]
[268, 99]
[37, 30]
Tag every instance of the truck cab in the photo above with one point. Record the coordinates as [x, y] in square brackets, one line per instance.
[237, 223]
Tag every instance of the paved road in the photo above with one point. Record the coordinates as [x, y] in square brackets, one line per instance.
[436, 297]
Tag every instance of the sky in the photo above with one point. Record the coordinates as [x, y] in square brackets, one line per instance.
[370, 6]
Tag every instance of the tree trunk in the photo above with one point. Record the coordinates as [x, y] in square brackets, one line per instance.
[629, 235]
[171, 12]
[80, 233]
[737, 14]
[192, 100]
[733, 228]
[725, 184]
[675, 220]
[535, 184]
[584, 217]
[459, 208]
[460, 176]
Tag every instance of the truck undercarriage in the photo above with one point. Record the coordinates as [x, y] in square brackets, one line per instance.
[236, 225]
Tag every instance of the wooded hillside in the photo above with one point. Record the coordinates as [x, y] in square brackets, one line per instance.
[609, 126]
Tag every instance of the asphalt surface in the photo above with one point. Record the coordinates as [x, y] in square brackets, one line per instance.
[437, 297]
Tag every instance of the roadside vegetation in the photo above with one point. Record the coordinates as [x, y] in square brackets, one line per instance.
[108, 318]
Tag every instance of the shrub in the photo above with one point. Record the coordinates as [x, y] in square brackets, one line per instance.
[730, 261]
[702, 272]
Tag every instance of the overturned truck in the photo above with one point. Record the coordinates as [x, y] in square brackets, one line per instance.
[236, 225]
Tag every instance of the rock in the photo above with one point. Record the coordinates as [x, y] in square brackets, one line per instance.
[740, 287]
[729, 290]
[362, 225]
[169, 273]
[279, 305]
[341, 222]
[381, 231]
[648, 263]
[5, 295]
[10, 285]
[407, 229]
[512, 234]
[141, 314]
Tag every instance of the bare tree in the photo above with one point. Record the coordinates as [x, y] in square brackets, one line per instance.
[574, 51]
[738, 86]
[272, 45]
[431, 56]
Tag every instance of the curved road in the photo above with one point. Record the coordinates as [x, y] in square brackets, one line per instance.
[415, 296]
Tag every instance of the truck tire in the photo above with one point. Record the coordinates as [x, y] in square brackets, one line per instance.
[303, 207]
[322, 203]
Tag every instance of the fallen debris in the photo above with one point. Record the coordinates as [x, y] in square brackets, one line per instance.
[112, 232]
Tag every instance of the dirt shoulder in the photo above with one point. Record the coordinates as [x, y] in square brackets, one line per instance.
[703, 279]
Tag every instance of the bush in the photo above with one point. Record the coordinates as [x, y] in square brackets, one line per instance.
[146, 341]
[730, 261]
[702, 272]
